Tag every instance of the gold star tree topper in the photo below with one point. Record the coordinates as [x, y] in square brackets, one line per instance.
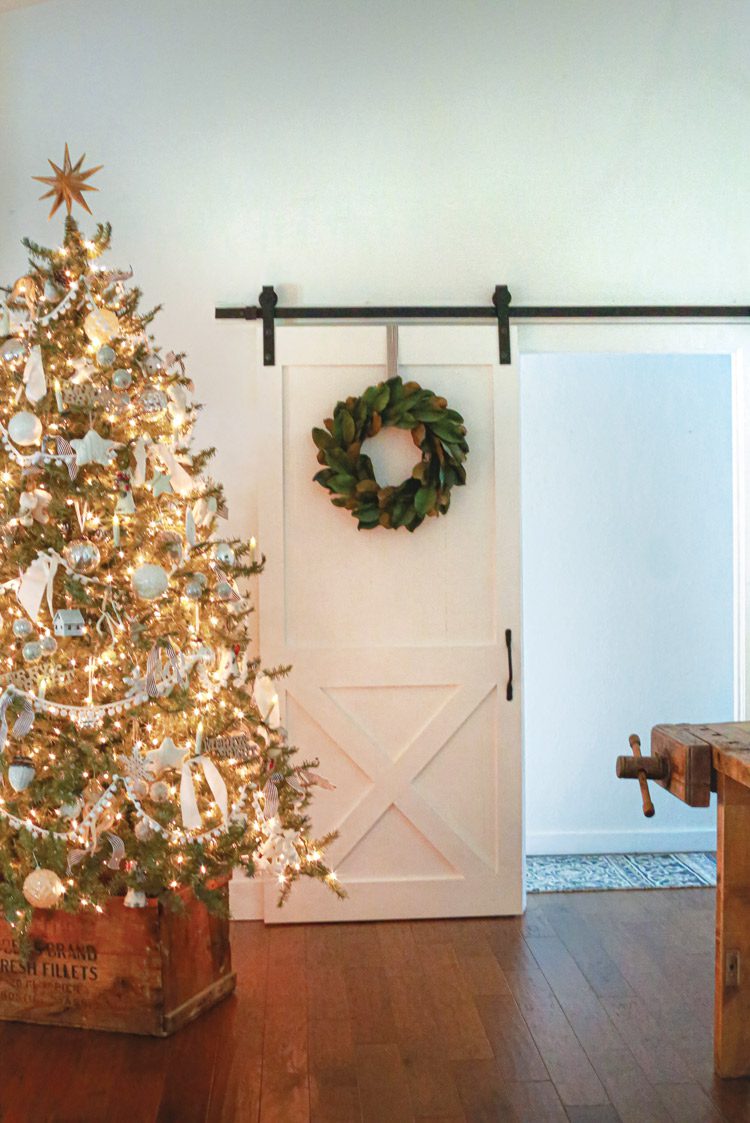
[68, 183]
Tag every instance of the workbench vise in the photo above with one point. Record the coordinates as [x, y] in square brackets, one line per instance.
[680, 761]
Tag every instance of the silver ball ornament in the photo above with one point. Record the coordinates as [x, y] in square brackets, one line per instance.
[105, 356]
[21, 772]
[150, 581]
[119, 404]
[25, 428]
[32, 651]
[152, 402]
[194, 589]
[121, 379]
[71, 810]
[152, 363]
[12, 350]
[82, 556]
[224, 553]
[48, 645]
[159, 791]
[224, 591]
[43, 889]
[142, 830]
[22, 628]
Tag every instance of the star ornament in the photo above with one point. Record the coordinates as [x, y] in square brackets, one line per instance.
[68, 183]
[94, 449]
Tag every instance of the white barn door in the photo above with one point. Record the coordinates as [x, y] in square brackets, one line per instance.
[397, 640]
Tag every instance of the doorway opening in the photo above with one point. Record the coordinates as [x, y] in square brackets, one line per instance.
[629, 599]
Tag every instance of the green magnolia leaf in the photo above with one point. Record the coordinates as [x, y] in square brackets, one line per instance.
[380, 401]
[348, 428]
[322, 438]
[341, 482]
[424, 500]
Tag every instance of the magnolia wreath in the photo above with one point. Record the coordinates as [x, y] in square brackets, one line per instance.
[438, 432]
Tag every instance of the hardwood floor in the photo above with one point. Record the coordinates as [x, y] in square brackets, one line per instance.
[593, 1008]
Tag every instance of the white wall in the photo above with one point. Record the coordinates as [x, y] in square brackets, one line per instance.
[382, 151]
[628, 596]
[372, 150]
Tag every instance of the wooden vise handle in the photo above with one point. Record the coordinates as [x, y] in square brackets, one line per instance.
[642, 768]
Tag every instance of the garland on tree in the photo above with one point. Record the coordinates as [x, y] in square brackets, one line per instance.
[437, 431]
[141, 750]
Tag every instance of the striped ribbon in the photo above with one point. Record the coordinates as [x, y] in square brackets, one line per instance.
[155, 670]
[23, 722]
[75, 857]
[271, 794]
[222, 576]
[65, 448]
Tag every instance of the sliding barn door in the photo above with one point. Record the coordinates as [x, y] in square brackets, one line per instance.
[397, 640]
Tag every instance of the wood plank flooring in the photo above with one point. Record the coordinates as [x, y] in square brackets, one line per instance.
[593, 1008]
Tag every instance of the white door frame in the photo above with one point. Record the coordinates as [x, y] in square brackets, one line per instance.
[691, 338]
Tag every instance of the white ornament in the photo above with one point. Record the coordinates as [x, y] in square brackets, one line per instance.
[125, 504]
[267, 701]
[34, 377]
[168, 755]
[150, 581]
[71, 810]
[178, 404]
[20, 773]
[160, 484]
[32, 506]
[68, 622]
[25, 428]
[135, 898]
[101, 325]
[43, 889]
[83, 370]
[93, 448]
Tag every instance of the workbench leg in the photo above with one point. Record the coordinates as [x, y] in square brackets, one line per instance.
[732, 1008]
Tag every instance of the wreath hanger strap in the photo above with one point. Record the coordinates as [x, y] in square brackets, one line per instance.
[391, 350]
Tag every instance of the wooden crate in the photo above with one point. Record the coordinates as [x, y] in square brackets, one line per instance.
[145, 971]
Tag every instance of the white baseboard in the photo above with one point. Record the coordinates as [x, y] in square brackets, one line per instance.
[649, 840]
[245, 898]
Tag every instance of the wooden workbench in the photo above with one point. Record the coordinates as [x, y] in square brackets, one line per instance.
[691, 761]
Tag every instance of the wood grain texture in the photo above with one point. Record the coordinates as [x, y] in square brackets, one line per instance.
[732, 1014]
[147, 971]
[593, 1008]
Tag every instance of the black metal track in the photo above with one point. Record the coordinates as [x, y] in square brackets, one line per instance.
[501, 310]
[481, 311]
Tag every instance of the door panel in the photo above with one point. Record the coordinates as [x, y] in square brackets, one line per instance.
[397, 640]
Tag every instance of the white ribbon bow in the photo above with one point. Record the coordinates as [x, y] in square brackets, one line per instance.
[191, 816]
[35, 581]
[34, 378]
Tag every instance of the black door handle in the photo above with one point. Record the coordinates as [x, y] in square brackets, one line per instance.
[508, 644]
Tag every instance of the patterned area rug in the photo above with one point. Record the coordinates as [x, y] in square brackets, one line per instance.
[571, 873]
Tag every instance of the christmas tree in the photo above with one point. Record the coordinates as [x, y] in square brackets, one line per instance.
[140, 745]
